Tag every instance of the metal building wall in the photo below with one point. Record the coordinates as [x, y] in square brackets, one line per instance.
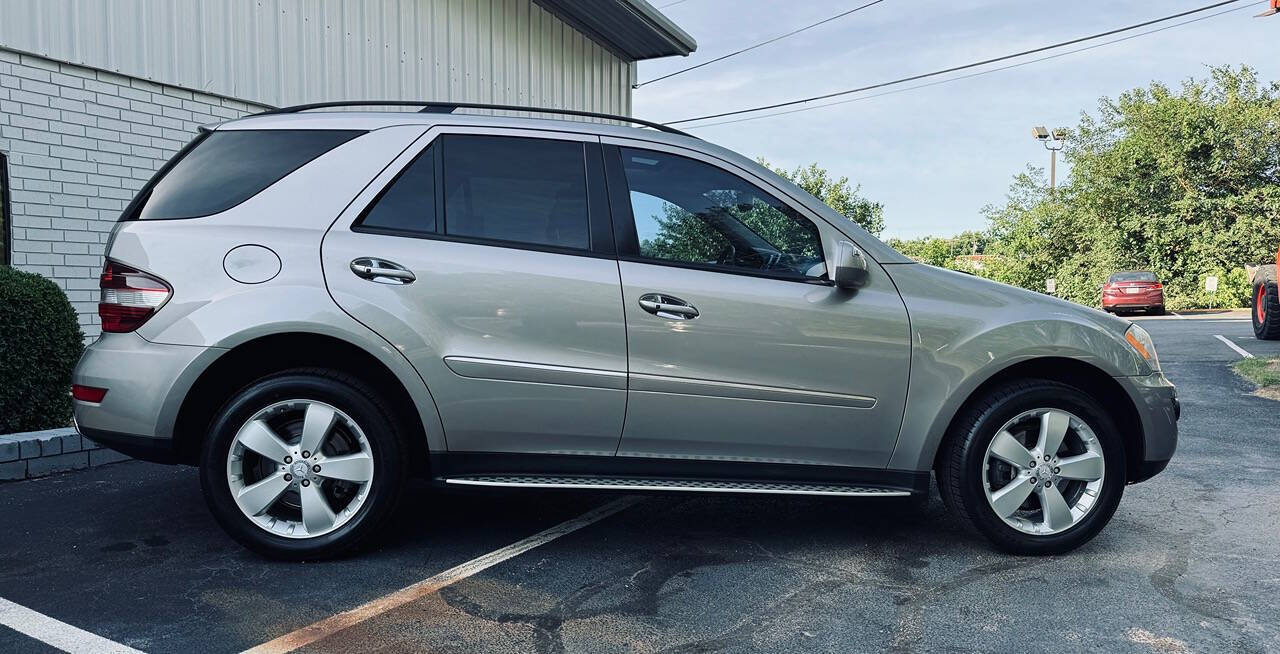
[282, 52]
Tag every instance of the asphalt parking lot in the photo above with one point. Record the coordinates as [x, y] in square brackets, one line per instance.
[1190, 563]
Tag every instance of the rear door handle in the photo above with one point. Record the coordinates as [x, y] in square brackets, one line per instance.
[666, 306]
[381, 271]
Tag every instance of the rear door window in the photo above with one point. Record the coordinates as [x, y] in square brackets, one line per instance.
[225, 168]
[517, 190]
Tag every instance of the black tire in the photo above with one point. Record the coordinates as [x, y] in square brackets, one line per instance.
[1265, 305]
[341, 391]
[1157, 311]
[961, 463]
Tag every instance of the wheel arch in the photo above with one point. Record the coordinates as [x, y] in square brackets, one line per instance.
[264, 355]
[1086, 377]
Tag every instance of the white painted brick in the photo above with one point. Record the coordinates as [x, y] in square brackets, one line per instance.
[34, 246]
[88, 120]
[64, 80]
[68, 105]
[68, 223]
[39, 62]
[41, 184]
[78, 94]
[71, 248]
[104, 88]
[27, 122]
[36, 86]
[28, 72]
[48, 138]
[67, 128]
[64, 152]
[39, 111]
[29, 97]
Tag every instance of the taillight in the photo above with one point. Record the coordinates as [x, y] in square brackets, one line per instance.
[129, 297]
[88, 393]
[1157, 287]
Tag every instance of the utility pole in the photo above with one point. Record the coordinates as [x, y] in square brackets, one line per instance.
[1059, 140]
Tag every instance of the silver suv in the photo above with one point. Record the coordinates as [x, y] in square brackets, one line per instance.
[312, 306]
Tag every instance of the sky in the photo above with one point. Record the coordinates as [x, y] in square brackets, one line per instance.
[933, 156]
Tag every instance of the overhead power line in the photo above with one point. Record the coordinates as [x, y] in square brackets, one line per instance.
[979, 73]
[758, 45]
[944, 71]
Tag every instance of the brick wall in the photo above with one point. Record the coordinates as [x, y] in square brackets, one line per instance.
[80, 143]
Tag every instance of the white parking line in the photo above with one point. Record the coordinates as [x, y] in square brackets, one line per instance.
[1239, 350]
[56, 633]
[1178, 315]
[332, 625]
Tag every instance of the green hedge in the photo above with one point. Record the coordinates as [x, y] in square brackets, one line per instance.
[40, 342]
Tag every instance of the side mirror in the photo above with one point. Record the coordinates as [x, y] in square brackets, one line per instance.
[849, 266]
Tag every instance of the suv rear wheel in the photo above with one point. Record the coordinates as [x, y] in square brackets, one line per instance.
[1035, 466]
[304, 464]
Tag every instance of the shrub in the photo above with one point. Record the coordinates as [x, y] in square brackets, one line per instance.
[40, 342]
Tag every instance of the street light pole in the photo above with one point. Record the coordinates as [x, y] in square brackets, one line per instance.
[1059, 140]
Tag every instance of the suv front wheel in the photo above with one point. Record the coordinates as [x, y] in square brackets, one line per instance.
[304, 464]
[1035, 466]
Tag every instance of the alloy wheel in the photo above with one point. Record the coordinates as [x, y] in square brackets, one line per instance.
[300, 468]
[1043, 471]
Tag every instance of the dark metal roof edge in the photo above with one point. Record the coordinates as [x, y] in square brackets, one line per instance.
[680, 42]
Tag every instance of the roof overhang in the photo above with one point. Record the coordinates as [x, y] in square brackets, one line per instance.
[631, 29]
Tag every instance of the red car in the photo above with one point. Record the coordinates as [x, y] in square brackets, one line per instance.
[1133, 291]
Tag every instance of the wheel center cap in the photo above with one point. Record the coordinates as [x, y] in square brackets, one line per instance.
[299, 469]
[1044, 472]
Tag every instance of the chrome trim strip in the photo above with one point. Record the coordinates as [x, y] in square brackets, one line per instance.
[665, 487]
[731, 390]
[537, 373]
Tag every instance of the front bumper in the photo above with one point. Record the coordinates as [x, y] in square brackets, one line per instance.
[146, 383]
[1156, 400]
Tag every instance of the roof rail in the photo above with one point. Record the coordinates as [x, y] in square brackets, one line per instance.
[450, 107]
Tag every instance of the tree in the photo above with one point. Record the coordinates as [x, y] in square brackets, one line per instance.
[942, 251]
[1183, 183]
[835, 193]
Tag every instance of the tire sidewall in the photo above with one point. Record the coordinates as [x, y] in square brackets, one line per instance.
[383, 440]
[1266, 295]
[983, 431]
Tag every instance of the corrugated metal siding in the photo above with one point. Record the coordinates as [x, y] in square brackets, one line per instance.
[283, 52]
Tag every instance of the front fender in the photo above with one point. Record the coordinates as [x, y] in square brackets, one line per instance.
[965, 330]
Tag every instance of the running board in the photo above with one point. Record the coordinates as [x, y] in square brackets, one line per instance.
[691, 485]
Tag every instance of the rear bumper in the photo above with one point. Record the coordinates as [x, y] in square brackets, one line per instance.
[146, 383]
[157, 450]
[1132, 302]
[1156, 400]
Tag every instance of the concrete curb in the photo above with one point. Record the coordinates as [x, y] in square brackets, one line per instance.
[32, 454]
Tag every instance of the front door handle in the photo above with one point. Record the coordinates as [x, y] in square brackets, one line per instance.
[666, 306]
[381, 271]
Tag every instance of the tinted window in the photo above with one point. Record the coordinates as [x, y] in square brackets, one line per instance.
[691, 212]
[409, 204]
[1133, 277]
[516, 189]
[229, 167]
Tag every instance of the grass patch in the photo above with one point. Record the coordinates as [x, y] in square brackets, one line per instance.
[1263, 372]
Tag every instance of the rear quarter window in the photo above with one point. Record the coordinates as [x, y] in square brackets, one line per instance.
[222, 169]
